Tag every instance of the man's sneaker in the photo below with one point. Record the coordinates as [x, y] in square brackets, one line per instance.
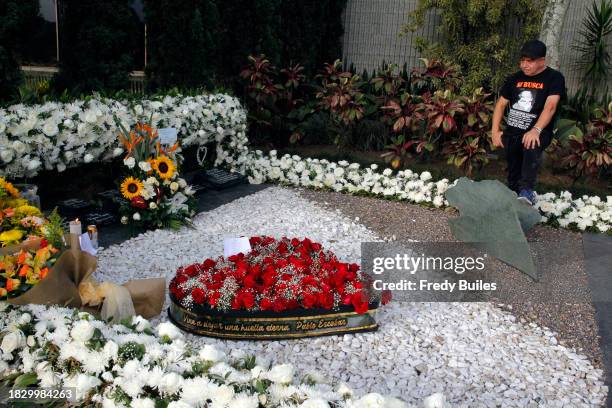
[527, 196]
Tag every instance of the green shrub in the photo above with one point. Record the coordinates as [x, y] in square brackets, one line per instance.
[481, 36]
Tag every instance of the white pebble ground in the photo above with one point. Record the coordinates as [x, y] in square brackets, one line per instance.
[474, 353]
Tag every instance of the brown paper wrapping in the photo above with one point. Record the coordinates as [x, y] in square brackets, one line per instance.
[61, 285]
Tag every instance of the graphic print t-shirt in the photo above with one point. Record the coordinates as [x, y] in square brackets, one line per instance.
[527, 95]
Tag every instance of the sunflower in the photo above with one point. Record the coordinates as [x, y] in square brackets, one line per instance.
[131, 187]
[165, 167]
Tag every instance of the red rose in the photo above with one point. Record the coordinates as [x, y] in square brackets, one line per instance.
[249, 281]
[359, 302]
[198, 296]
[191, 271]
[248, 300]
[43, 243]
[326, 300]
[309, 300]
[138, 202]
[213, 297]
[266, 304]
[209, 263]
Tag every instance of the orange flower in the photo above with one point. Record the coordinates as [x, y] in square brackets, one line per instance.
[44, 272]
[3, 292]
[25, 269]
[22, 257]
[12, 284]
[130, 143]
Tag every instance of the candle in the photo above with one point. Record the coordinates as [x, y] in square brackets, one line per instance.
[75, 227]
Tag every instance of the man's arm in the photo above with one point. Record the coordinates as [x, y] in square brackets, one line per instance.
[498, 114]
[531, 139]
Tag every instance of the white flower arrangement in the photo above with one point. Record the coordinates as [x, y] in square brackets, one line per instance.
[583, 214]
[130, 365]
[62, 135]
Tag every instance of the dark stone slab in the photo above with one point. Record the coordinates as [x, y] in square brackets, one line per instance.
[207, 200]
[494, 220]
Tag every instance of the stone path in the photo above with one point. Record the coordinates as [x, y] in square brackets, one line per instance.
[597, 250]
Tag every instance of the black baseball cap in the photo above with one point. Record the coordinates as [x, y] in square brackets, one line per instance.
[533, 49]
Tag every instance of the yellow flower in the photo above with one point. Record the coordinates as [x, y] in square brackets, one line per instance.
[165, 167]
[131, 187]
[26, 211]
[11, 237]
[9, 187]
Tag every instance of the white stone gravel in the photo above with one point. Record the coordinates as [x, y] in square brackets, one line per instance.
[474, 353]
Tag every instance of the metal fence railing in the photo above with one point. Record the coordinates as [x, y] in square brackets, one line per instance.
[32, 75]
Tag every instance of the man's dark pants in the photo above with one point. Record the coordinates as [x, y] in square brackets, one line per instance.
[523, 164]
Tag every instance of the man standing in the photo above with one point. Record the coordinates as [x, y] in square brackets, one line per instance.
[533, 93]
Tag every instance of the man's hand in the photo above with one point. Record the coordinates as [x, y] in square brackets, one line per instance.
[531, 139]
[497, 138]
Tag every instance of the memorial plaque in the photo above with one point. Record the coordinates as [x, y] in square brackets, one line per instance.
[258, 325]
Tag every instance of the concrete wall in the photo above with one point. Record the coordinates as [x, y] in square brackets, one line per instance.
[372, 35]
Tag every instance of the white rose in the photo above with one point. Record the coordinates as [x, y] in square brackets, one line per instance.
[141, 323]
[170, 384]
[90, 117]
[152, 205]
[136, 216]
[143, 403]
[33, 164]
[182, 183]
[314, 403]
[124, 220]
[82, 331]
[152, 181]
[25, 318]
[372, 400]
[6, 155]
[31, 341]
[425, 176]
[88, 158]
[436, 400]
[50, 129]
[174, 186]
[19, 146]
[282, 374]
[68, 123]
[144, 166]
[12, 341]
[117, 151]
[170, 330]
[179, 404]
[130, 162]
[210, 353]
[61, 167]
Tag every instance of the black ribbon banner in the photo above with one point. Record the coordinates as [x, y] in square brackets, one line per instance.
[272, 326]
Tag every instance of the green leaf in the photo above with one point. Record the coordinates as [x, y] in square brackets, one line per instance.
[27, 379]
